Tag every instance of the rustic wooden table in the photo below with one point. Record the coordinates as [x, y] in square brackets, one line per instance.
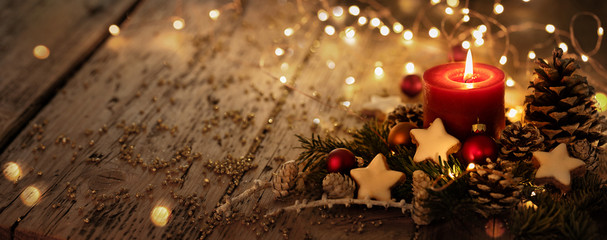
[107, 129]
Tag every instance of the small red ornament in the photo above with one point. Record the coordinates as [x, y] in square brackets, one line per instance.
[340, 160]
[495, 228]
[400, 133]
[411, 85]
[458, 53]
[478, 148]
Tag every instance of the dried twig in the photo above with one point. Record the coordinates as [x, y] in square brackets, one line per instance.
[325, 202]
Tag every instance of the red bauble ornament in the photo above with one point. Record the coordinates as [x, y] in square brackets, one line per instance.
[340, 160]
[495, 228]
[478, 148]
[399, 134]
[411, 85]
[458, 53]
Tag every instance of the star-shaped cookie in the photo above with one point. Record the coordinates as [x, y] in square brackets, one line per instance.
[433, 142]
[376, 179]
[557, 166]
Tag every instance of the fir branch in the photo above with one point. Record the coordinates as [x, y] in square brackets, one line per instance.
[258, 185]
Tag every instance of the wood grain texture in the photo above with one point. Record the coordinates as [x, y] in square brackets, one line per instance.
[70, 29]
[158, 91]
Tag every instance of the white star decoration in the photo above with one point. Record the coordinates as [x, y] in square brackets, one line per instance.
[556, 164]
[383, 104]
[376, 179]
[433, 142]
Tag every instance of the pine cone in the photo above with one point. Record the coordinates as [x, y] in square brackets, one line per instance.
[517, 143]
[581, 149]
[284, 179]
[406, 113]
[494, 187]
[421, 183]
[337, 185]
[562, 104]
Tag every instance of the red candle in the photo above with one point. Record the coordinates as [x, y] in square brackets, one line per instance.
[461, 102]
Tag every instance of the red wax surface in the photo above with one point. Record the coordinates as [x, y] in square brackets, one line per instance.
[460, 104]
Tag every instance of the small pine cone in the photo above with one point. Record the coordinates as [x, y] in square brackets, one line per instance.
[494, 187]
[421, 183]
[583, 150]
[406, 113]
[517, 142]
[284, 179]
[337, 185]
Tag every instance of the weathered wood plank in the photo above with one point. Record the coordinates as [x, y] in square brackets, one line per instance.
[203, 82]
[70, 29]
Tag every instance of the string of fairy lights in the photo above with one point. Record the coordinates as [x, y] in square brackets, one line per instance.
[455, 29]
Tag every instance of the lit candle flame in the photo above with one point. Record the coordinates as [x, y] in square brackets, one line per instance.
[468, 70]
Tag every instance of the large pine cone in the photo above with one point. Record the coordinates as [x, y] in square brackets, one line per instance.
[337, 185]
[406, 113]
[421, 183]
[494, 187]
[517, 142]
[562, 104]
[284, 179]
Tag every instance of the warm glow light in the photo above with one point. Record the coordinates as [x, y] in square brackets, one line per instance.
[449, 11]
[410, 67]
[330, 64]
[379, 71]
[362, 21]
[470, 166]
[214, 14]
[338, 11]
[375, 22]
[284, 66]
[30, 196]
[584, 58]
[350, 80]
[384, 31]
[599, 31]
[288, 32]
[482, 28]
[397, 27]
[160, 216]
[479, 42]
[465, 10]
[477, 34]
[354, 10]
[503, 60]
[563, 46]
[346, 103]
[178, 23]
[452, 3]
[12, 171]
[41, 52]
[466, 44]
[498, 8]
[329, 30]
[510, 82]
[279, 51]
[601, 101]
[512, 113]
[468, 70]
[526, 0]
[466, 18]
[283, 79]
[316, 121]
[434, 2]
[114, 30]
[350, 32]
[408, 35]
[322, 15]
[530, 204]
[550, 28]
[531, 55]
[433, 32]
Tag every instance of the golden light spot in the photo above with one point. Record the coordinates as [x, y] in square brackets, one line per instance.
[41, 52]
[178, 23]
[338, 11]
[465, 44]
[408, 35]
[214, 14]
[350, 32]
[397, 27]
[470, 166]
[30, 196]
[330, 30]
[160, 216]
[379, 71]
[362, 21]
[601, 100]
[375, 22]
[433, 32]
[279, 51]
[12, 171]
[503, 60]
[530, 204]
[350, 80]
[498, 8]
[584, 58]
[114, 30]
[288, 32]
[410, 67]
[384, 31]
[563, 46]
[510, 82]
[550, 28]
[354, 10]
[322, 15]
[531, 55]
[449, 11]
[283, 79]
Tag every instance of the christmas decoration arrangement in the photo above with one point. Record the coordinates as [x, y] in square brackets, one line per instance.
[537, 178]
